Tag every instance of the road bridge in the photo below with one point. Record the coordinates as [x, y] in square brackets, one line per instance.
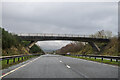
[91, 39]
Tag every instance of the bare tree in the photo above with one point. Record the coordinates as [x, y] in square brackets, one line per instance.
[108, 34]
[103, 34]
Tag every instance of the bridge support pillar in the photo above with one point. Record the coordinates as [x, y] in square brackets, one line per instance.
[94, 46]
[31, 44]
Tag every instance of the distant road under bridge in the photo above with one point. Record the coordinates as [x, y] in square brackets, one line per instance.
[34, 37]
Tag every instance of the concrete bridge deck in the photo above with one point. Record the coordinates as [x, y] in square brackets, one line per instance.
[69, 37]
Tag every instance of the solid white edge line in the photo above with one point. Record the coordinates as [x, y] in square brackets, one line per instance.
[17, 68]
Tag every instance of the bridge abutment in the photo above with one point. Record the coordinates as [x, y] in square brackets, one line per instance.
[94, 46]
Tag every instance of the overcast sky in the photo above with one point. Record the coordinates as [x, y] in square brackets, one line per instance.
[63, 18]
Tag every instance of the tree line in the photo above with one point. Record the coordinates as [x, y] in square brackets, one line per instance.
[13, 45]
[9, 40]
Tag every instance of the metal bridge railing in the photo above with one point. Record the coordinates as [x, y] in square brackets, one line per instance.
[61, 35]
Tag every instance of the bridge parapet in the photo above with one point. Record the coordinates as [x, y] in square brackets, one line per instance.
[60, 35]
[34, 37]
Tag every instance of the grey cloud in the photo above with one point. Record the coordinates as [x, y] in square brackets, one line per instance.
[63, 18]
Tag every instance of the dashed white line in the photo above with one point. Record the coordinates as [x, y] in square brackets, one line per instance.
[17, 68]
[68, 66]
[61, 61]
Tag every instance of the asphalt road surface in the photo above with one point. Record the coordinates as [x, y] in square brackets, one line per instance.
[56, 66]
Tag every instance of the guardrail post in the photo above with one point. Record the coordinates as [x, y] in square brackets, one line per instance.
[13, 60]
[95, 57]
[102, 58]
[111, 59]
[116, 60]
[18, 58]
[7, 61]
[22, 58]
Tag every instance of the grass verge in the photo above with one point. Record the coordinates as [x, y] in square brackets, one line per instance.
[99, 60]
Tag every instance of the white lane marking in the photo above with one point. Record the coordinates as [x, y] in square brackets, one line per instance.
[61, 61]
[67, 66]
[17, 68]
